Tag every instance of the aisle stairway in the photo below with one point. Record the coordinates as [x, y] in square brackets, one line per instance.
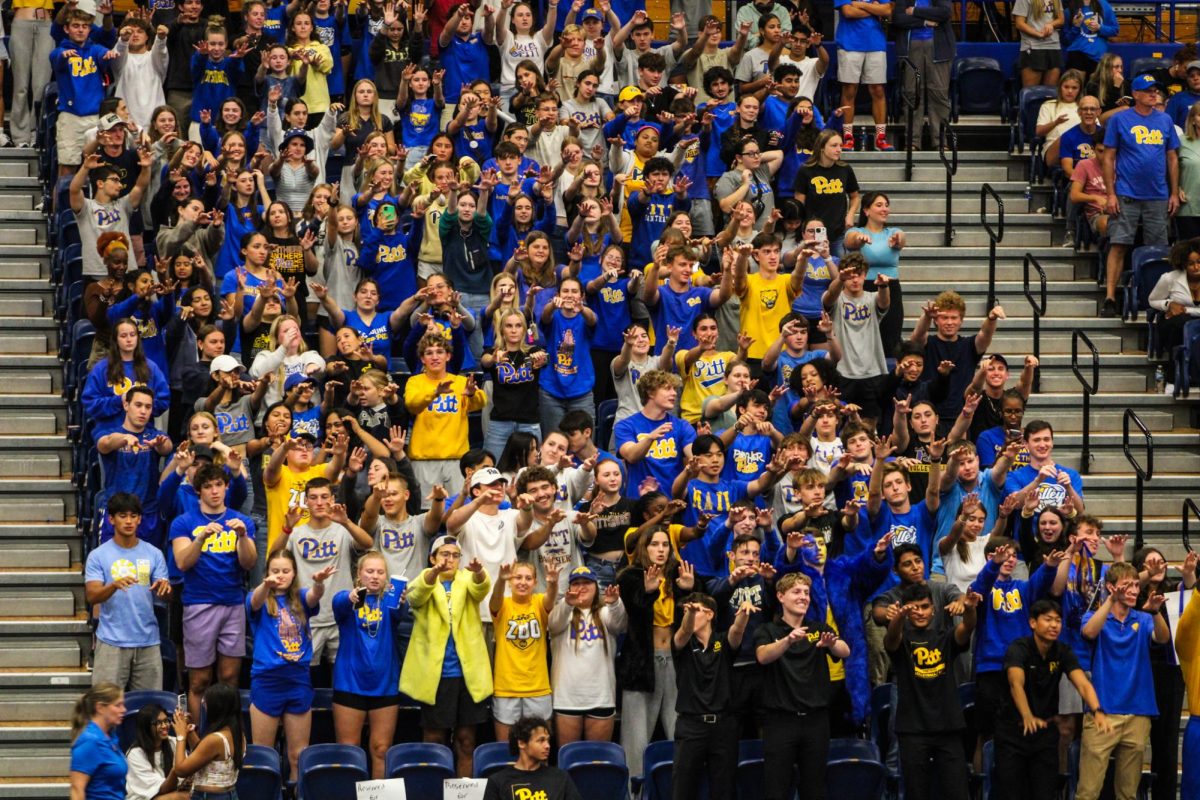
[44, 637]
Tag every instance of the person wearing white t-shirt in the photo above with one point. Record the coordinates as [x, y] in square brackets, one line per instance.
[794, 50]
[570, 530]
[521, 42]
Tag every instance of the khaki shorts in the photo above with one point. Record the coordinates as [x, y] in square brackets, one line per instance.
[70, 131]
[855, 66]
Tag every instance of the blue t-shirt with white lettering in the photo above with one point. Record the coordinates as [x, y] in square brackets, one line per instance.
[916, 526]
[1050, 493]
[132, 468]
[569, 371]
[649, 213]
[127, 619]
[1076, 144]
[747, 457]
[419, 122]
[1142, 143]
[714, 499]
[216, 577]
[664, 459]
[376, 333]
[611, 307]
[367, 659]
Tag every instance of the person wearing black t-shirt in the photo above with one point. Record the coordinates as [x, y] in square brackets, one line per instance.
[795, 696]
[531, 776]
[1026, 740]
[828, 188]
[706, 732]
[929, 717]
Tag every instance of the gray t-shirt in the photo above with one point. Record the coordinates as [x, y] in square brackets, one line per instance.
[628, 402]
[585, 113]
[627, 70]
[315, 549]
[404, 545]
[856, 323]
[95, 219]
[943, 595]
[1044, 14]
[760, 195]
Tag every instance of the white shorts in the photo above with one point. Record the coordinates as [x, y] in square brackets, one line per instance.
[427, 269]
[855, 66]
[507, 710]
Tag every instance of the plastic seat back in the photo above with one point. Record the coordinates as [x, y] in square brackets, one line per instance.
[490, 757]
[598, 769]
[260, 776]
[330, 771]
[422, 765]
[135, 702]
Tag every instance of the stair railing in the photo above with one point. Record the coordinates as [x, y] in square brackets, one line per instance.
[1038, 306]
[1190, 509]
[1089, 389]
[910, 108]
[995, 235]
[1144, 472]
[947, 138]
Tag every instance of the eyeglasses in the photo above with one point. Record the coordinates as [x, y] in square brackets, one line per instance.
[163, 721]
[751, 153]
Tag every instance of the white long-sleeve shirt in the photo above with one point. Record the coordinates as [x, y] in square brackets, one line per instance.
[140, 78]
[282, 365]
[1173, 288]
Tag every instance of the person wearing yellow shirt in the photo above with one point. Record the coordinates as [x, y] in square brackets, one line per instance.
[703, 367]
[521, 677]
[766, 296]
[287, 474]
[304, 48]
[1187, 646]
[440, 403]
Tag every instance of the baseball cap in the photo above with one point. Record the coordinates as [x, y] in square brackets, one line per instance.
[202, 451]
[486, 477]
[86, 6]
[294, 380]
[1193, 65]
[592, 13]
[110, 121]
[308, 436]
[224, 364]
[1144, 83]
[442, 541]
[582, 574]
[996, 357]
[629, 93]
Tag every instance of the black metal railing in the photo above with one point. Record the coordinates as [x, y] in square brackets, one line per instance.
[1144, 472]
[910, 108]
[1190, 509]
[947, 138]
[1089, 389]
[995, 235]
[1038, 305]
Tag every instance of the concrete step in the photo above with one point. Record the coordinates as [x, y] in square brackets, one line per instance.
[1162, 502]
[37, 602]
[38, 789]
[1060, 270]
[26, 654]
[50, 733]
[41, 509]
[28, 382]
[39, 465]
[1112, 380]
[1012, 341]
[868, 173]
[34, 761]
[22, 306]
[44, 706]
[28, 269]
[1070, 420]
[1113, 462]
[63, 533]
[28, 343]
[974, 236]
[34, 555]
[30, 423]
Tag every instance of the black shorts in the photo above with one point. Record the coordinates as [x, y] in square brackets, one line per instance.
[453, 707]
[600, 712]
[363, 702]
[1040, 60]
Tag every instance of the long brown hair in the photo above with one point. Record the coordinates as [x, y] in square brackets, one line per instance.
[577, 620]
[293, 591]
[116, 368]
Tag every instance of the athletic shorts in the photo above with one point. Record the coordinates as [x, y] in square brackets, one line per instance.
[856, 66]
[278, 696]
[508, 710]
[453, 707]
[1040, 60]
[364, 702]
[69, 134]
[210, 630]
[600, 712]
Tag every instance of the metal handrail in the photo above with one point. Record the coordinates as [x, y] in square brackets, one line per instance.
[1190, 509]
[1144, 473]
[1088, 390]
[995, 235]
[1039, 310]
[910, 107]
[946, 136]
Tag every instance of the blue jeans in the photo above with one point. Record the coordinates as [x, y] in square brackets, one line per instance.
[499, 430]
[476, 303]
[606, 571]
[553, 409]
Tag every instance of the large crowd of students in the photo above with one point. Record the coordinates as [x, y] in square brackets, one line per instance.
[363, 314]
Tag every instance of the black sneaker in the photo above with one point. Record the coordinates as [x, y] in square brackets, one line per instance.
[1109, 309]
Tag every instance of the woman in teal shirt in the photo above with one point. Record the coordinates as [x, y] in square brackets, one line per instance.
[97, 764]
[880, 245]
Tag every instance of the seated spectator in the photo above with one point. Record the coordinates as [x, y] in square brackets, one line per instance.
[1177, 296]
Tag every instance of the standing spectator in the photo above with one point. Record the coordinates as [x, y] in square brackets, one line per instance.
[1093, 23]
[1124, 681]
[97, 765]
[287, 473]
[1187, 646]
[1181, 103]
[129, 450]
[827, 188]
[654, 443]
[123, 575]
[522, 675]
[79, 70]
[856, 315]
[1037, 22]
[106, 210]
[30, 45]
[795, 700]
[212, 546]
[880, 244]
[927, 37]
[1187, 221]
[1141, 171]
[862, 58]
[449, 672]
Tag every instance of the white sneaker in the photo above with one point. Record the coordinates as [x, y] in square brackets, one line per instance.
[1169, 389]
[4, 140]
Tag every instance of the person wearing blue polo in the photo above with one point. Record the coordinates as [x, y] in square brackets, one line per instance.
[653, 442]
[97, 764]
[1141, 171]
[862, 58]
[1124, 681]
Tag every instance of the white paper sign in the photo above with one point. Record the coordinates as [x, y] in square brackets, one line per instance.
[463, 788]
[390, 789]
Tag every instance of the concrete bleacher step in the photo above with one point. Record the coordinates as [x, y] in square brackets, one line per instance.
[1009, 341]
[23, 306]
[1070, 420]
[37, 602]
[40, 509]
[47, 705]
[971, 236]
[1008, 273]
[34, 555]
[28, 270]
[27, 382]
[1113, 462]
[30, 423]
[868, 173]
[42, 465]
[1112, 381]
[31, 761]
[31, 343]
[22, 654]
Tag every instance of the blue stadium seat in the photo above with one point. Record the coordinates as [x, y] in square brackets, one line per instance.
[261, 776]
[1147, 264]
[491, 757]
[854, 771]
[1147, 64]
[751, 781]
[322, 717]
[658, 760]
[606, 416]
[422, 765]
[1024, 128]
[973, 84]
[135, 702]
[597, 768]
[1187, 359]
[329, 771]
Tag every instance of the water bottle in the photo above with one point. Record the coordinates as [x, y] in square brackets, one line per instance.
[1028, 196]
[1160, 380]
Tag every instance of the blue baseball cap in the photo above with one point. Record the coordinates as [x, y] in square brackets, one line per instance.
[1145, 82]
[592, 13]
[582, 574]
[294, 380]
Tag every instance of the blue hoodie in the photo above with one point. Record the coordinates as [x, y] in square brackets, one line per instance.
[1004, 612]
[104, 404]
[80, 77]
[1077, 39]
